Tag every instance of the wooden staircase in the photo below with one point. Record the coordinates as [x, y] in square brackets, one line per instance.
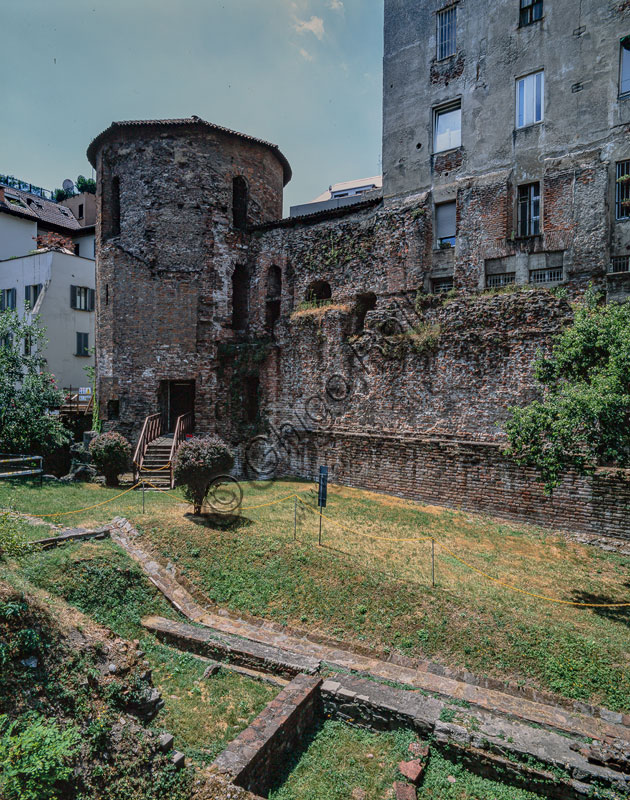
[155, 453]
[156, 465]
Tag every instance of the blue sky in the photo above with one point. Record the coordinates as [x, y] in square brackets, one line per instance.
[304, 74]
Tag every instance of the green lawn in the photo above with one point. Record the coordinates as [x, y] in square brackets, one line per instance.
[360, 588]
[342, 763]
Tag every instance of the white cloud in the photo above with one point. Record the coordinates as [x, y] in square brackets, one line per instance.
[314, 25]
[306, 55]
[335, 5]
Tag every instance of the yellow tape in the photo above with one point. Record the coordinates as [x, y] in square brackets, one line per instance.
[87, 508]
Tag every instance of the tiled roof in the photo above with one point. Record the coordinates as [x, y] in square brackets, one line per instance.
[195, 121]
[319, 216]
[31, 206]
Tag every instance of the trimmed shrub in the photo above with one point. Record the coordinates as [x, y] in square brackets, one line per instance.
[111, 454]
[198, 461]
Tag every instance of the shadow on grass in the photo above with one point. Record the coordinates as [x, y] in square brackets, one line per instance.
[616, 614]
[220, 522]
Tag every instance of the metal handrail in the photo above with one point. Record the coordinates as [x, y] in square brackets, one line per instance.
[184, 426]
[151, 430]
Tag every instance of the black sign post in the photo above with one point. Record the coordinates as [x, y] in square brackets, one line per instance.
[322, 496]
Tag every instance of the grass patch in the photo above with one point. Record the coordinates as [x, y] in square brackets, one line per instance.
[100, 580]
[342, 762]
[204, 715]
[362, 589]
[340, 759]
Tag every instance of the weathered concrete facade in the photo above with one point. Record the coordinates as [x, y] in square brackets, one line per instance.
[571, 148]
[204, 294]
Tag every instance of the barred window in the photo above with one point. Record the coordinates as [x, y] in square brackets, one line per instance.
[442, 285]
[620, 264]
[622, 190]
[554, 275]
[446, 33]
[504, 279]
[531, 11]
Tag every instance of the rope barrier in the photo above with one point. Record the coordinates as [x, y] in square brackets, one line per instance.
[88, 508]
[486, 575]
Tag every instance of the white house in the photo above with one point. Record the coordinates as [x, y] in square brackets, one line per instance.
[50, 281]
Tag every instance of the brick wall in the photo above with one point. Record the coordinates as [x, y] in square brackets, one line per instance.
[468, 475]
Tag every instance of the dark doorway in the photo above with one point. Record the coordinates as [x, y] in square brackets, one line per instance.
[180, 399]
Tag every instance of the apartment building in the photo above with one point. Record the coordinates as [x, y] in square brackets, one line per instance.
[515, 120]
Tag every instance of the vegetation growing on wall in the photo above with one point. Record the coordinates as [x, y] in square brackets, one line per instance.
[583, 419]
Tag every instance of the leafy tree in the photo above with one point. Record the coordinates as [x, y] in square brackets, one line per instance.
[84, 184]
[28, 392]
[583, 418]
[198, 461]
[111, 454]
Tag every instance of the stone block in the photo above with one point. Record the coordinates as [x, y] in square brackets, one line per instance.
[165, 742]
[178, 759]
[404, 791]
[412, 770]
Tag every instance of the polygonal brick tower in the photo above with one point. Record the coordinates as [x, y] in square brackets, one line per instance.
[175, 201]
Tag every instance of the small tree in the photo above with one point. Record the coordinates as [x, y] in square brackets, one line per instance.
[84, 184]
[583, 418]
[198, 461]
[28, 392]
[111, 454]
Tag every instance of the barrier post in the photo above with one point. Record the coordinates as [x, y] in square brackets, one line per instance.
[294, 518]
[143, 497]
[320, 527]
[433, 562]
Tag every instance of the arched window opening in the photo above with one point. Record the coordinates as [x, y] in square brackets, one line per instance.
[240, 198]
[251, 397]
[318, 293]
[365, 302]
[114, 228]
[272, 303]
[240, 298]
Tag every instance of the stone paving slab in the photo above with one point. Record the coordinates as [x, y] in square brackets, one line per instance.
[243, 652]
[376, 706]
[610, 727]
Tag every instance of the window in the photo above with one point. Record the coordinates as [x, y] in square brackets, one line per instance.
[272, 302]
[239, 202]
[114, 228]
[113, 409]
[620, 264]
[77, 249]
[240, 298]
[554, 275]
[319, 293]
[622, 190]
[445, 224]
[530, 99]
[624, 78]
[531, 11]
[503, 279]
[82, 298]
[442, 285]
[446, 33]
[31, 293]
[529, 210]
[28, 345]
[448, 128]
[365, 302]
[83, 347]
[80, 211]
[8, 299]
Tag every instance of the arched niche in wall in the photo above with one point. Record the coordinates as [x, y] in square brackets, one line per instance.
[273, 297]
[240, 298]
[240, 200]
[318, 291]
[366, 301]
